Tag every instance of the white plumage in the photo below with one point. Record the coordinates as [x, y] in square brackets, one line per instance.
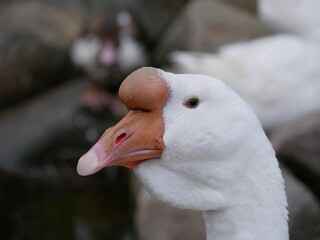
[218, 160]
[91, 52]
[131, 53]
[300, 17]
[278, 75]
[84, 52]
[195, 144]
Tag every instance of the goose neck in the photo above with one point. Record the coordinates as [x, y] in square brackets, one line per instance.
[245, 222]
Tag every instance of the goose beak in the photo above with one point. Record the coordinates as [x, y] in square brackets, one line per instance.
[136, 138]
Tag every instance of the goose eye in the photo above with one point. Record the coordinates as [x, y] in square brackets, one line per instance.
[191, 102]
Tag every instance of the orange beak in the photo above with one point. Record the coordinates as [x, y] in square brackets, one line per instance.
[138, 136]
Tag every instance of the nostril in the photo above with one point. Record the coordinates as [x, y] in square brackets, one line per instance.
[120, 138]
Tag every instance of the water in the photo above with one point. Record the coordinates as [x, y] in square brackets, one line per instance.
[50, 201]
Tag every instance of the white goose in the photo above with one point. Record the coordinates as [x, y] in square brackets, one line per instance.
[195, 144]
[278, 75]
[300, 17]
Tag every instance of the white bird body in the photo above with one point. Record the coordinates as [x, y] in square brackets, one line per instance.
[131, 53]
[84, 52]
[95, 54]
[279, 76]
[194, 143]
[300, 17]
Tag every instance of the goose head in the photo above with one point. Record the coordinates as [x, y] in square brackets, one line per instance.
[193, 143]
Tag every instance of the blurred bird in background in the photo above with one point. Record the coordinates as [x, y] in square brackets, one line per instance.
[279, 74]
[109, 49]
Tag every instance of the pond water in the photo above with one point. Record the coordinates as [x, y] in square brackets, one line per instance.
[50, 201]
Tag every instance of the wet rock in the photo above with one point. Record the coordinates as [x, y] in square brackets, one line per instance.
[298, 146]
[34, 47]
[205, 25]
[304, 210]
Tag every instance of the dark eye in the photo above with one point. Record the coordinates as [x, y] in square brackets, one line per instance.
[191, 102]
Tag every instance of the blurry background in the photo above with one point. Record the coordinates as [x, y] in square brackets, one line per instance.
[61, 63]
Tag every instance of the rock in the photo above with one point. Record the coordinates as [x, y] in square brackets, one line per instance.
[158, 221]
[205, 25]
[24, 128]
[34, 47]
[249, 5]
[304, 210]
[155, 16]
[298, 146]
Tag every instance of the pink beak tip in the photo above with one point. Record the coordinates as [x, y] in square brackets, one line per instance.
[88, 164]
